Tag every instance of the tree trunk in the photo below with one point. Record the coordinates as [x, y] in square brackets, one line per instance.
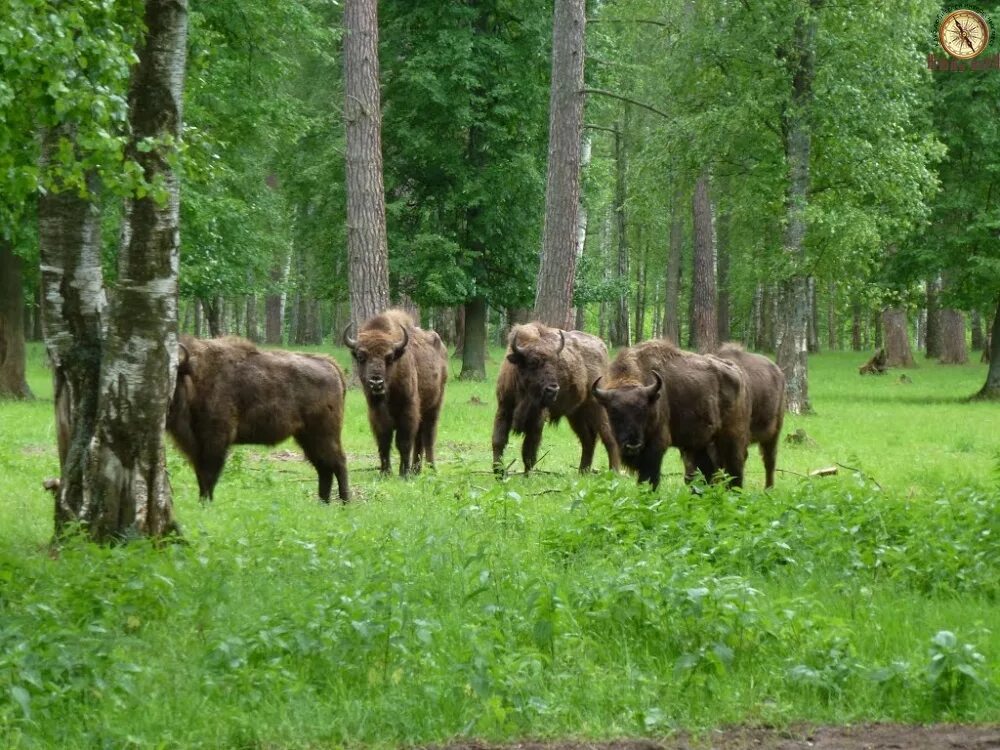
[367, 252]
[813, 340]
[212, 308]
[832, 326]
[704, 323]
[921, 327]
[459, 332]
[933, 318]
[755, 335]
[672, 308]
[722, 270]
[640, 294]
[769, 309]
[274, 302]
[12, 351]
[557, 273]
[976, 321]
[856, 343]
[991, 389]
[620, 321]
[252, 328]
[126, 488]
[897, 338]
[474, 350]
[793, 318]
[952, 337]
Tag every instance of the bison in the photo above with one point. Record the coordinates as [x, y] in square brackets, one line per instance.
[403, 371]
[766, 383]
[230, 392]
[657, 395]
[547, 374]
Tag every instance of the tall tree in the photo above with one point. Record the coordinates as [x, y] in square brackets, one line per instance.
[12, 351]
[367, 247]
[704, 319]
[554, 296]
[896, 338]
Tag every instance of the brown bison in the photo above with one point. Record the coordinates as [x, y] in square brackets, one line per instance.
[230, 392]
[547, 375]
[657, 395]
[766, 382]
[403, 370]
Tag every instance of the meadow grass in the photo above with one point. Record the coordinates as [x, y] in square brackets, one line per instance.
[549, 606]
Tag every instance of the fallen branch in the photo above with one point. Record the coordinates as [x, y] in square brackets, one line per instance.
[868, 477]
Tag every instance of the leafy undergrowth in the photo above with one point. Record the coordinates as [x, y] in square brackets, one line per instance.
[589, 607]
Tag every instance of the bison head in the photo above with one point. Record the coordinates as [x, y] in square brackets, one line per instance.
[629, 408]
[538, 368]
[374, 356]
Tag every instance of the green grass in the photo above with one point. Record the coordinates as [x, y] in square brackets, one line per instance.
[452, 605]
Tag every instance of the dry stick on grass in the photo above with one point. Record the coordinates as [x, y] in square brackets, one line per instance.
[869, 477]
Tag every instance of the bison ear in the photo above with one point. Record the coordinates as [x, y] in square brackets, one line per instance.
[516, 359]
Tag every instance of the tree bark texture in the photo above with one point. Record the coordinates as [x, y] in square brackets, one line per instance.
[813, 340]
[856, 341]
[12, 351]
[896, 338]
[704, 322]
[252, 331]
[474, 346]
[722, 273]
[793, 318]
[620, 320]
[976, 321]
[832, 325]
[127, 489]
[642, 271]
[367, 249]
[991, 389]
[952, 337]
[557, 272]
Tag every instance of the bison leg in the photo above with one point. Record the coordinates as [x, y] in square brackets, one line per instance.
[384, 440]
[501, 432]
[769, 452]
[690, 465]
[529, 448]
[581, 422]
[329, 460]
[404, 444]
[701, 460]
[209, 467]
[608, 439]
[428, 433]
[649, 468]
[732, 454]
[418, 450]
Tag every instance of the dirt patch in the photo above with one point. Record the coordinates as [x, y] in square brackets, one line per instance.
[861, 737]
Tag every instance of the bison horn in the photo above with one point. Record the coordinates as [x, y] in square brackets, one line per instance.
[350, 343]
[562, 341]
[187, 354]
[513, 345]
[653, 389]
[599, 393]
[401, 347]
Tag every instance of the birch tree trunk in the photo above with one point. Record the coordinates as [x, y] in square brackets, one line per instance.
[793, 319]
[704, 321]
[557, 271]
[126, 489]
[12, 328]
[367, 250]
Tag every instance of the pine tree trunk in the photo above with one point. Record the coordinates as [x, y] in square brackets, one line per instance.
[474, 349]
[126, 488]
[704, 322]
[620, 322]
[12, 351]
[367, 252]
[991, 389]
[933, 318]
[557, 273]
[672, 306]
[897, 338]
[793, 317]
[722, 270]
[952, 337]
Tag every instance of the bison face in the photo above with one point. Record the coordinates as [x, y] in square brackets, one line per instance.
[538, 370]
[629, 409]
[373, 360]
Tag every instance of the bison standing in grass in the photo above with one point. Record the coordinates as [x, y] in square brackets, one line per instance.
[547, 375]
[403, 370]
[657, 395]
[230, 392]
[766, 382]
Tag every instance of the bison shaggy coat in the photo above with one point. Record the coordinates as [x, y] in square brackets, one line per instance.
[230, 392]
[547, 375]
[657, 395]
[403, 370]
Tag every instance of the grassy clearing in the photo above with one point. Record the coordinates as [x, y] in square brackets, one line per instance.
[453, 605]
